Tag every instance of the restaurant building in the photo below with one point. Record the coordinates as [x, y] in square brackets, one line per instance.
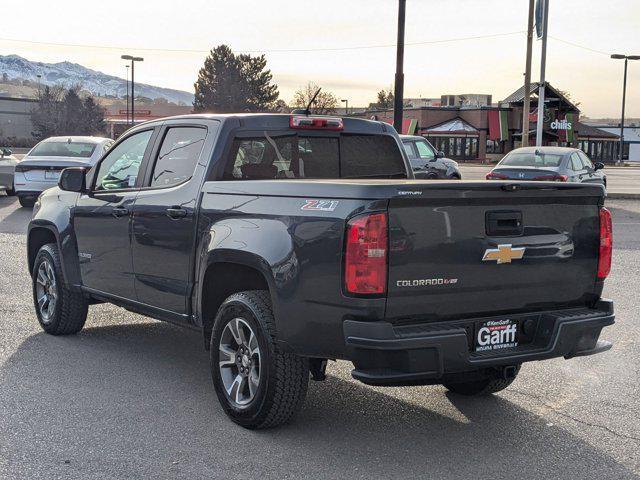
[471, 128]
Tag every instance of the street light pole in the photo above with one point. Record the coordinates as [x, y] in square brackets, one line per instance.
[133, 95]
[127, 94]
[626, 58]
[346, 107]
[399, 86]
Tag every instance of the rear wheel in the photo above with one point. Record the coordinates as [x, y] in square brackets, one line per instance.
[482, 386]
[257, 383]
[60, 310]
[27, 202]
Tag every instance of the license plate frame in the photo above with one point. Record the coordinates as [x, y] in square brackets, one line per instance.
[496, 335]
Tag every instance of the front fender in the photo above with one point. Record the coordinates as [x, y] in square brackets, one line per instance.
[53, 212]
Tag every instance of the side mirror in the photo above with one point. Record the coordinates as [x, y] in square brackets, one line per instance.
[598, 166]
[73, 179]
[440, 154]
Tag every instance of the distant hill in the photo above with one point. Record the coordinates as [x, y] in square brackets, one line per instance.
[69, 74]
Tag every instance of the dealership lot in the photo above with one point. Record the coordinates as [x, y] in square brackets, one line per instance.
[130, 397]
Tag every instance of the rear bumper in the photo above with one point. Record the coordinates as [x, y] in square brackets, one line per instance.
[384, 354]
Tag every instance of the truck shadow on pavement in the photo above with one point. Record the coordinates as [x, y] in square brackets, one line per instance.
[136, 400]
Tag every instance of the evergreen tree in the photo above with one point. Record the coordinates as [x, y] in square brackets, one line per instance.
[234, 83]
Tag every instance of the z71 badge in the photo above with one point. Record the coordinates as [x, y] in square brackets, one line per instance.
[320, 205]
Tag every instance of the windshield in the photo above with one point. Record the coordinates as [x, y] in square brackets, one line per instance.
[532, 159]
[63, 149]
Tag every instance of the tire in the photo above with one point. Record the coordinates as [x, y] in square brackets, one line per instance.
[10, 192]
[480, 387]
[27, 202]
[455, 176]
[279, 382]
[64, 311]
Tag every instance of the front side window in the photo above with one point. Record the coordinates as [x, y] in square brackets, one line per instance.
[68, 148]
[119, 169]
[409, 149]
[575, 162]
[273, 156]
[585, 160]
[425, 151]
[178, 156]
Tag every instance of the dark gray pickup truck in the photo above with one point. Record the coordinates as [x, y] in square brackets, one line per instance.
[289, 241]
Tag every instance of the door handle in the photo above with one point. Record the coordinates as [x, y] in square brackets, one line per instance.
[119, 211]
[176, 212]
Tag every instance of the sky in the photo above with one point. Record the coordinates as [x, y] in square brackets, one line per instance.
[328, 35]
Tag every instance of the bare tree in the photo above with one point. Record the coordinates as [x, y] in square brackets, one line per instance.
[325, 102]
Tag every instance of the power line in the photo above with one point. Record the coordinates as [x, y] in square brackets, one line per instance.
[567, 42]
[286, 50]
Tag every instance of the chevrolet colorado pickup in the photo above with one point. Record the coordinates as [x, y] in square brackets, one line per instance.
[289, 241]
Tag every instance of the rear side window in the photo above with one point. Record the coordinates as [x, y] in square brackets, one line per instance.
[284, 156]
[575, 162]
[178, 156]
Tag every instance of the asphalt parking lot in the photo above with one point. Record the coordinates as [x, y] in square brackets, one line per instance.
[130, 397]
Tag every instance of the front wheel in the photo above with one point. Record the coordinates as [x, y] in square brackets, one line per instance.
[60, 310]
[257, 383]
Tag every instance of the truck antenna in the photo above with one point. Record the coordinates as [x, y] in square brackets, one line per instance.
[313, 99]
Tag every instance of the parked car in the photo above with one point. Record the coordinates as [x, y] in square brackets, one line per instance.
[556, 164]
[7, 166]
[41, 167]
[426, 162]
[291, 240]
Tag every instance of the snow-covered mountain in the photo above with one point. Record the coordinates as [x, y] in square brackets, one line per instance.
[69, 74]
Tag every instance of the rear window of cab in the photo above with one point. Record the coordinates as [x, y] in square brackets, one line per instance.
[272, 155]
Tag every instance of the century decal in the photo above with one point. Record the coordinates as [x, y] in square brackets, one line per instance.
[497, 334]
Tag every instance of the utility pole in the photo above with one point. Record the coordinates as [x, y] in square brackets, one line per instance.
[527, 79]
[617, 56]
[543, 64]
[399, 87]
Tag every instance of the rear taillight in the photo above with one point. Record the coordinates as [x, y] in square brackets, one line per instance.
[365, 271]
[495, 176]
[606, 244]
[316, 123]
[552, 178]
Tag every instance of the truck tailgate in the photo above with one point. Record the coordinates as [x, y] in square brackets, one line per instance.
[469, 250]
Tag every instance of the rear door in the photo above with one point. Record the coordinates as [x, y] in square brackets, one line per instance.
[481, 250]
[578, 169]
[164, 215]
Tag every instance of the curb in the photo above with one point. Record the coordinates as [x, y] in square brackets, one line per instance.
[623, 196]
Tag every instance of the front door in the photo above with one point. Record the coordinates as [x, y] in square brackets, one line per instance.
[102, 218]
[164, 220]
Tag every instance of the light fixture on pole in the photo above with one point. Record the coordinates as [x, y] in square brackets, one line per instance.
[346, 108]
[133, 94]
[626, 58]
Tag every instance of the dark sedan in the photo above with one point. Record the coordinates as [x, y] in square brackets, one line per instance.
[556, 164]
[426, 161]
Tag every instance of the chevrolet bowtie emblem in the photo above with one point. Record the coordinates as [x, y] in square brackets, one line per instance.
[503, 254]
